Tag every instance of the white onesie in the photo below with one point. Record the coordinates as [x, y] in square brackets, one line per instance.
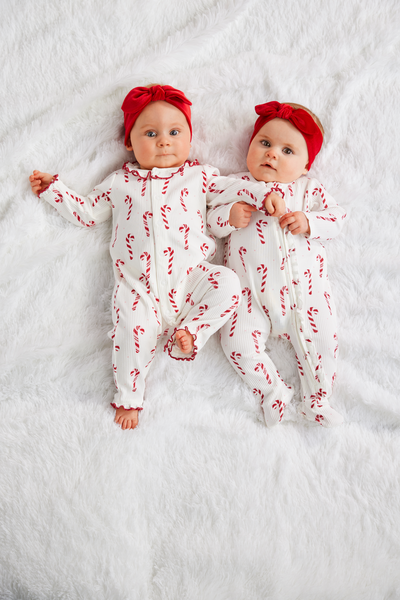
[159, 249]
[286, 293]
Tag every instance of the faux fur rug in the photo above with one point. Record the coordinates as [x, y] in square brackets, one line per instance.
[202, 501]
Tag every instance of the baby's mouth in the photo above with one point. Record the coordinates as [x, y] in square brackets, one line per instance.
[269, 166]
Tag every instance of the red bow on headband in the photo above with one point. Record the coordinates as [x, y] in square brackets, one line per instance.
[140, 97]
[299, 117]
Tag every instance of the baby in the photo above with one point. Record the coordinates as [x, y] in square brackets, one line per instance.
[282, 266]
[159, 247]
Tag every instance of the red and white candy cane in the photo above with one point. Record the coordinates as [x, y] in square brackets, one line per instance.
[320, 192]
[184, 194]
[164, 210]
[247, 193]
[307, 273]
[204, 249]
[235, 357]
[129, 238]
[185, 230]
[260, 367]
[337, 345]
[136, 299]
[146, 275]
[77, 199]
[115, 238]
[257, 392]
[202, 326]
[247, 292]
[213, 279]
[242, 252]
[233, 325]
[213, 189]
[259, 225]
[328, 298]
[126, 177]
[58, 197]
[204, 189]
[308, 245]
[235, 300]
[265, 309]
[189, 299]
[201, 220]
[128, 201]
[156, 315]
[89, 224]
[202, 310]
[170, 253]
[144, 184]
[263, 270]
[222, 223]
[138, 329]
[312, 311]
[299, 366]
[165, 187]
[147, 215]
[115, 295]
[116, 324]
[151, 358]
[278, 404]
[117, 264]
[284, 290]
[331, 218]
[319, 259]
[255, 335]
[135, 374]
[171, 297]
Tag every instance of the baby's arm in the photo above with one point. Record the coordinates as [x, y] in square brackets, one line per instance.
[324, 215]
[297, 222]
[84, 211]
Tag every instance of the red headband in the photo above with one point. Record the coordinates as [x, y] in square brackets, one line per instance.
[299, 117]
[140, 97]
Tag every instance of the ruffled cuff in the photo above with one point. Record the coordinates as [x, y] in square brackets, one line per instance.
[55, 178]
[173, 350]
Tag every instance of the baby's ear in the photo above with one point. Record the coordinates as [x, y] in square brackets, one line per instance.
[129, 147]
[305, 171]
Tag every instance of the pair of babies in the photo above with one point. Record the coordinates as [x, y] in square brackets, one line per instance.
[276, 283]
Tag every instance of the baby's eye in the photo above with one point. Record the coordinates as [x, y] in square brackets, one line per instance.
[265, 143]
[287, 151]
[151, 133]
[174, 132]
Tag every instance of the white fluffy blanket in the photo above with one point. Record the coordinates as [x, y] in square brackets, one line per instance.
[202, 501]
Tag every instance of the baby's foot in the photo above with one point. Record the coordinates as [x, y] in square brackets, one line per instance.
[273, 410]
[128, 418]
[184, 340]
[322, 413]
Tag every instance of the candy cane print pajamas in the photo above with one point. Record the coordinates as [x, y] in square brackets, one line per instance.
[286, 293]
[159, 249]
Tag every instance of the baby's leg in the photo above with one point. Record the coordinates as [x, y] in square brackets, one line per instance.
[211, 294]
[137, 324]
[317, 361]
[243, 340]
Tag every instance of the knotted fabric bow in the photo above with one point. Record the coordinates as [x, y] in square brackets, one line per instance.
[299, 117]
[139, 97]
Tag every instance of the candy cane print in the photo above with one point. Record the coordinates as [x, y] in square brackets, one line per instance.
[308, 245]
[235, 357]
[245, 178]
[138, 329]
[213, 189]
[117, 264]
[126, 177]
[58, 197]
[89, 224]
[265, 309]
[320, 191]
[170, 253]
[213, 279]
[135, 374]
[299, 366]
[327, 298]
[235, 300]
[172, 300]
[202, 221]
[189, 299]
[128, 201]
[77, 199]
[202, 326]
[164, 210]
[255, 335]
[261, 367]
[222, 223]
[233, 326]
[264, 271]
[312, 311]
[321, 264]
[136, 300]
[242, 252]
[151, 358]
[147, 215]
[115, 295]
[286, 336]
[129, 238]
[204, 249]
[146, 275]
[204, 189]
[331, 218]
[247, 292]
[242, 192]
[337, 345]
[278, 404]
[156, 315]
[165, 187]
[258, 393]
[184, 194]
[115, 238]
[284, 290]
[185, 230]
[259, 225]
[116, 324]
[307, 273]
[202, 310]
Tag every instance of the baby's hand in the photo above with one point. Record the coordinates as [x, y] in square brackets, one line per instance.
[240, 214]
[297, 222]
[275, 205]
[40, 181]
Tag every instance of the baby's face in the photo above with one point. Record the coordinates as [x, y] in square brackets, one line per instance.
[278, 152]
[160, 137]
